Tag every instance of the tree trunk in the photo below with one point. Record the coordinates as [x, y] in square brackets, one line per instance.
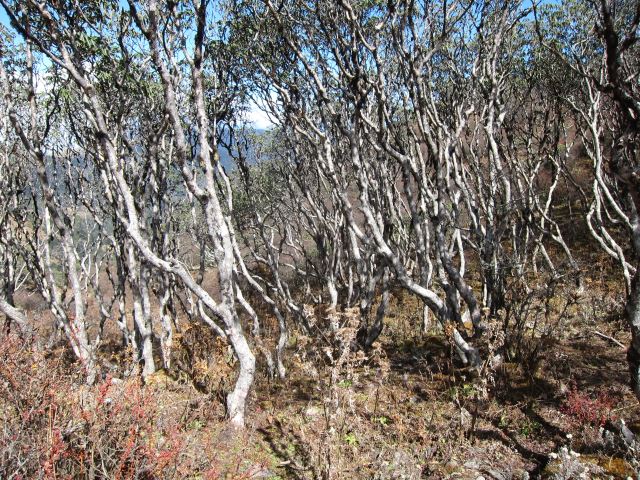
[16, 316]
[237, 399]
[633, 317]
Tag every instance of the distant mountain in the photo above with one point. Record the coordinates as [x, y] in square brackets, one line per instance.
[226, 157]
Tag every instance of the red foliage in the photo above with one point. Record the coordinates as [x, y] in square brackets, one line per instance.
[53, 427]
[588, 410]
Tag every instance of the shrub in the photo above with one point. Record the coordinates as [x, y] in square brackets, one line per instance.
[587, 410]
[53, 427]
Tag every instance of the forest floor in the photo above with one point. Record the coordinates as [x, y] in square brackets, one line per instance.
[405, 409]
[410, 410]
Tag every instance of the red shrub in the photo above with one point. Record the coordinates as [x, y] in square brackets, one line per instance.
[588, 410]
[53, 427]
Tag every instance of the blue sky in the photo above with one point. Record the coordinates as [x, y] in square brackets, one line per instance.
[3, 17]
[254, 115]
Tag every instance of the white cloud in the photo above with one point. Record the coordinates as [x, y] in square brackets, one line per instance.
[258, 118]
[43, 82]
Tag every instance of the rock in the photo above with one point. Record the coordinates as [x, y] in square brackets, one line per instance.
[496, 475]
[472, 465]
[312, 411]
[567, 465]
[259, 471]
[402, 467]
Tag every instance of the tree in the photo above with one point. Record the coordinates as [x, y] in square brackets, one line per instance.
[133, 153]
[607, 111]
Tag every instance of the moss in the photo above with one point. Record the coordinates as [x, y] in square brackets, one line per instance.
[618, 467]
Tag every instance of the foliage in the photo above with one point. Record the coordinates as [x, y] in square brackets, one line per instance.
[445, 155]
[51, 426]
[587, 409]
